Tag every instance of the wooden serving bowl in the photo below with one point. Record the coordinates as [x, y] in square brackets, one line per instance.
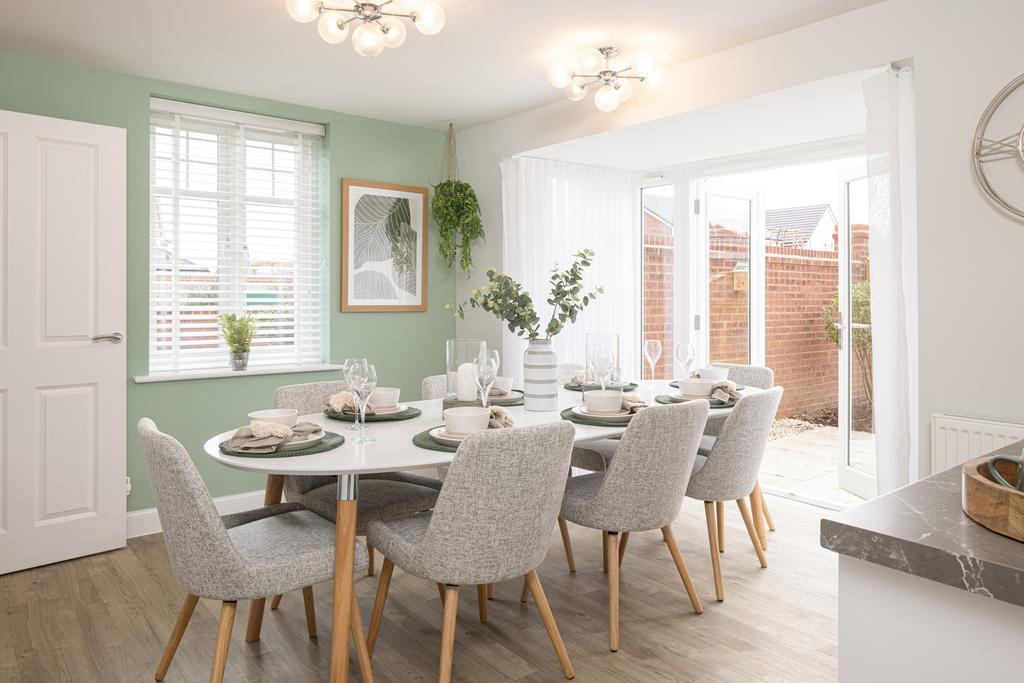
[992, 505]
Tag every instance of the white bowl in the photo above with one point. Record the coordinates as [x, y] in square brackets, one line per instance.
[603, 401]
[504, 383]
[713, 373]
[696, 386]
[466, 420]
[282, 416]
[384, 397]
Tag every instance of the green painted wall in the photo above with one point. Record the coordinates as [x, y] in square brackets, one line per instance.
[404, 346]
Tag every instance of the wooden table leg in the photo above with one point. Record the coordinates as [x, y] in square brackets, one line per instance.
[275, 489]
[344, 560]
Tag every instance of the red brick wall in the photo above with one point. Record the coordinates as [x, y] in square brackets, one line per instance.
[658, 255]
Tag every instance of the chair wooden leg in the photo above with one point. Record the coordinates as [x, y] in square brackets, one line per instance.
[451, 607]
[275, 602]
[612, 560]
[220, 652]
[359, 640]
[604, 550]
[383, 584]
[255, 625]
[440, 593]
[720, 523]
[758, 517]
[524, 594]
[533, 581]
[490, 591]
[764, 508]
[673, 547]
[481, 599]
[369, 567]
[623, 540]
[716, 562]
[563, 529]
[176, 634]
[307, 600]
[742, 504]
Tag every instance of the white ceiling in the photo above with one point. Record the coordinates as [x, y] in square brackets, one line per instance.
[488, 62]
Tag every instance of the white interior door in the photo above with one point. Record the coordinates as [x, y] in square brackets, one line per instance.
[62, 378]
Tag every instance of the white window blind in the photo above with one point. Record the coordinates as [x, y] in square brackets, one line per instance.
[237, 225]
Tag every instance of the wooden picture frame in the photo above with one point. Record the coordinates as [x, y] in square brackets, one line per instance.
[378, 222]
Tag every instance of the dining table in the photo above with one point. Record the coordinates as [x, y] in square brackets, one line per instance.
[392, 450]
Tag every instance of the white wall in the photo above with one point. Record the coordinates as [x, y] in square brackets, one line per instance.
[963, 52]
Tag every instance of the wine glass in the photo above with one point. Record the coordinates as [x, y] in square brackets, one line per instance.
[346, 367]
[362, 381]
[652, 352]
[687, 363]
[601, 366]
[485, 372]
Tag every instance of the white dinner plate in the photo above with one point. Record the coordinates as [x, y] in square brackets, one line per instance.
[622, 415]
[311, 440]
[441, 435]
[390, 410]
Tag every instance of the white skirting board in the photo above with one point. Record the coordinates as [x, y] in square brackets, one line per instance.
[957, 438]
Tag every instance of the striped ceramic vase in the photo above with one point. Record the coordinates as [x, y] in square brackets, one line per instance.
[540, 376]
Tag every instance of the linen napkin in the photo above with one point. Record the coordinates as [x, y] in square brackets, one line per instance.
[500, 418]
[497, 391]
[343, 402]
[725, 390]
[266, 437]
[578, 378]
[632, 404]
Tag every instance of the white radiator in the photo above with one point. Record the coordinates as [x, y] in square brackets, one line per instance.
[956, 439]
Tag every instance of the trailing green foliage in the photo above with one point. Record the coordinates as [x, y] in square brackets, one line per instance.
[238, 331]
[860, 305]
[455, 209]
[506, 300]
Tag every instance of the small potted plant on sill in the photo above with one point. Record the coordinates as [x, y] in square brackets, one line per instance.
[238, 331]
[506, 300]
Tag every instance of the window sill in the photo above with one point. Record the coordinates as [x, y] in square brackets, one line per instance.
[212, 374]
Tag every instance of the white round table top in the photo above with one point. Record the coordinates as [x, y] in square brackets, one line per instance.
[393, 449]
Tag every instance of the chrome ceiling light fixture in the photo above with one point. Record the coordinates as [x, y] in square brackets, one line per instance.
[595, 67]
[379, 26]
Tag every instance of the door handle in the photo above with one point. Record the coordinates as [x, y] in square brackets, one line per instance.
[113, 338]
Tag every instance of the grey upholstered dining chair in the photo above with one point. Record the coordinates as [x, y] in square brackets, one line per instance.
[246, 556]
[491, 523]
[759, 377]
[729, 471]
[433, 387]
[388, 495]
[641, 490]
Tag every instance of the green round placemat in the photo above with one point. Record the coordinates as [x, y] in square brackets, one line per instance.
[503, 401]
[576, 387]
[715, 403]
[407, 414]
[425, 440]
[567, 414]
[675, 385]
[330, 442]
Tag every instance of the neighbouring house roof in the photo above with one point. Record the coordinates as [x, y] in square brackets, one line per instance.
[659, 206]
[794, 226]
[161, 259]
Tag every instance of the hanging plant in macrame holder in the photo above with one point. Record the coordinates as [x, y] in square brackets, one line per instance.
[456, 211]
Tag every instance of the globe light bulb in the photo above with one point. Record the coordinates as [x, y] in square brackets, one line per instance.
[395, 34]
[642, 63]
[368, 40]
[624, 88]
[589, 60]
[330, 29]
[560, 75]
[576, 91]
[607, 98]
[429, 18]
[655, 80]
[303, 11]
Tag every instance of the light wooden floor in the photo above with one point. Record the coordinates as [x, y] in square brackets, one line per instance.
[107, 617]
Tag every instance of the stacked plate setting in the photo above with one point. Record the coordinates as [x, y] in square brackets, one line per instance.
[621, 415]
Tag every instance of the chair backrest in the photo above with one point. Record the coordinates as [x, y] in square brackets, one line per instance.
[755, 376]
[307, 399]
[646, 481]
[434, 386]
[500, 501]
[733, 463]
[198, 545]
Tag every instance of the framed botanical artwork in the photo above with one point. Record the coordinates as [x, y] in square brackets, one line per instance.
[383, 247]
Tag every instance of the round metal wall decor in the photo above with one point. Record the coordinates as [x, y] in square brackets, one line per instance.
[999, 148]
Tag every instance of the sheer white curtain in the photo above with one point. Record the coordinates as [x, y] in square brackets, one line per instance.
[551, 210]
[892, 182]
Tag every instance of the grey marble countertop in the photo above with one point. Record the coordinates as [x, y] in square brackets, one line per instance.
[921, 529]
